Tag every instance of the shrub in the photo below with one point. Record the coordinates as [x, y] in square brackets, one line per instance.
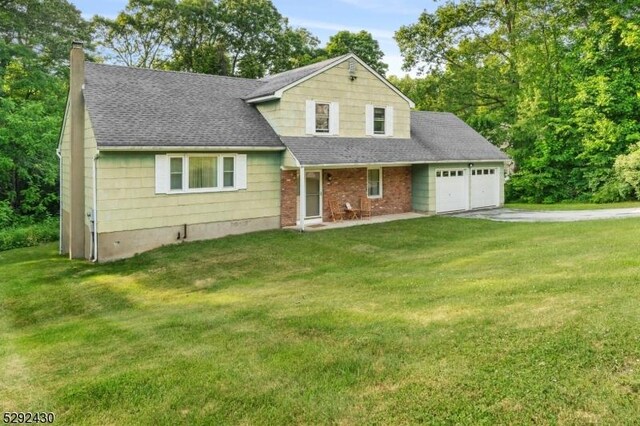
[627, 170]
[31, 235]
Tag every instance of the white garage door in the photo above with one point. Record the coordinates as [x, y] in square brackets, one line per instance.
[451, 190]
[484, 187]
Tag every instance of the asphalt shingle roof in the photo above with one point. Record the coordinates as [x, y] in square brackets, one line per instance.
[141, 107]
[317, 150]
[435, 137]
[447, 138]
[133, 107]
[273, 83]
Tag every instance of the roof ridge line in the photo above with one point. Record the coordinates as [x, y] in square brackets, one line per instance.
[231, 77]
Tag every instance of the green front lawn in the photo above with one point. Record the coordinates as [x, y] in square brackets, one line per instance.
[434, 320]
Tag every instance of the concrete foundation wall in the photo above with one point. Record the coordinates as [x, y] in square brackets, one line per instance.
[123, 244]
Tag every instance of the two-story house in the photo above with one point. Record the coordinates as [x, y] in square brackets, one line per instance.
[150, 157]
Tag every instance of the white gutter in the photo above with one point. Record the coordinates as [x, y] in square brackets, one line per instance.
[303, 198]
[94, 239]
[59, 154]
[400, 163]
[192, 148]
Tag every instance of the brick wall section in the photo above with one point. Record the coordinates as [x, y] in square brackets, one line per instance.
[349, 185]
[288, 197]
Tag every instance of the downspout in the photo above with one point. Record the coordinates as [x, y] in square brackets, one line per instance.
[303, 198]
[94, 223]
[59, 154]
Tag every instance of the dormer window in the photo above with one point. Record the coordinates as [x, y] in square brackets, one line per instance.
[322, 117]
[378, 121]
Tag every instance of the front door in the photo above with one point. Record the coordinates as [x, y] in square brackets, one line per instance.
[314, 194]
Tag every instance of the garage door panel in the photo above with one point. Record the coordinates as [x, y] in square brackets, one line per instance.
[484, 188]
[451, 190]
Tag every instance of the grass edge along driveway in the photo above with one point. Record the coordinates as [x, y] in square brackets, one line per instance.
[434, 320]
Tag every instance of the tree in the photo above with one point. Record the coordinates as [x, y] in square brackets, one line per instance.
[138, 36]
[42, 28]
[34, 44]
[247, 38]
[362, 44]
[552, 81]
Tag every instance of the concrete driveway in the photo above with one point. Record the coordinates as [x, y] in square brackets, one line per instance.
[513, 215]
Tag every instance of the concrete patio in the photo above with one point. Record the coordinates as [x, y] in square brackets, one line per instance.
[356, 222]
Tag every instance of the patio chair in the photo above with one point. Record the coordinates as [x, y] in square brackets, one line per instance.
[336, 213]
[365, 208]
[351, 212]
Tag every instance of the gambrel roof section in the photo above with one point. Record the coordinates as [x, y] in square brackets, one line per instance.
[275, 85]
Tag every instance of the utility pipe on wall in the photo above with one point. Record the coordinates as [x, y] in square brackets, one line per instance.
[59, 154]
[303, 198]
[94, 237]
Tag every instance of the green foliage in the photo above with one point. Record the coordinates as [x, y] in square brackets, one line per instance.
[554, 82]
[362, 44]
[247, 38]
[26, 235]
[627, 173]
[34, 43]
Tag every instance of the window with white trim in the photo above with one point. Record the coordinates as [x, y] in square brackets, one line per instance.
[374, 183]
[186, 173]
[322, 118]
[378, 120]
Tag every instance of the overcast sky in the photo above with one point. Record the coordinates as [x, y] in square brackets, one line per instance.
[324, 18]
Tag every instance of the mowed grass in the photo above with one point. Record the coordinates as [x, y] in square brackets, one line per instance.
[435, 320]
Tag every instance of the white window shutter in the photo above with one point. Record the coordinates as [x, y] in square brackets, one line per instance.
[388, 118]
[334, 118]
[162, 174]
[368, 120]
[311, 117]
[241, 171]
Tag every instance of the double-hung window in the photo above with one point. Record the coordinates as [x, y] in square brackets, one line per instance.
[322, 118]
[183, 173]
[374, 183]
[378, 120]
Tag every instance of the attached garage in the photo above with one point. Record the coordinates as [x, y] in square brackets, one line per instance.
[463, 188]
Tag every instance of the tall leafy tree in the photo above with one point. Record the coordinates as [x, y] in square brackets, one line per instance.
[552, 81]
[362, 44]
[139, 35]
[35, 37]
